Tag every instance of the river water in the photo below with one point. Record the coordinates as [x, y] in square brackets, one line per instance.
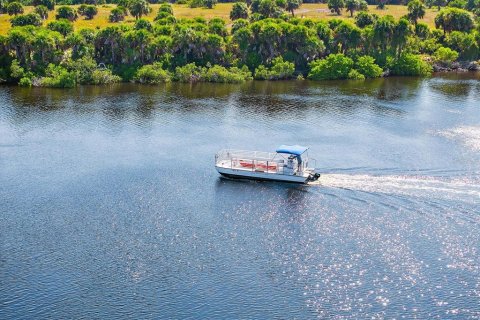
[111, 207]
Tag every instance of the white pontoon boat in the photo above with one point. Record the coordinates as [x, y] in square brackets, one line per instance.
[288, 163]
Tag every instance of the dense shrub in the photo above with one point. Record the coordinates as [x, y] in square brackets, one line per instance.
[42, 11]
[63, 26]
[50, 4]
[14, 8]
[216, 73]
[223, 75]
[279, 70]
[239, 11]
[152, 74]
[32, 19]
[117, 14]
[445, 55]
[66, 12]
[188, 73]
[210, 3]
[336, 6]
[166, 7]
[88, 11]
[143, 24]
[334, 66]
[460, 4]
[83, 69]
[410, 65]
[25, 82]
[465, 44]
[363, 19]
[57, 77]
[16, 70]
[355, 75]
[422, 31]
[366, 66]
[104, 76]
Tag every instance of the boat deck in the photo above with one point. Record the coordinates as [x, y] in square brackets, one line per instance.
[253, 165]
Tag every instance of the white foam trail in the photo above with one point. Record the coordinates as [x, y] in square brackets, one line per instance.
[468, 135]
[422, 186]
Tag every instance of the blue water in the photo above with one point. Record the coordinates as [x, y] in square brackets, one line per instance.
[111, 207]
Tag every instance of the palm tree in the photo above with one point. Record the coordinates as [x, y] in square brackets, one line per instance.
[139, 8]
[416, 10]
[292, 5]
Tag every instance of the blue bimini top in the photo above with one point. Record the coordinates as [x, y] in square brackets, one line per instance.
[295, 150]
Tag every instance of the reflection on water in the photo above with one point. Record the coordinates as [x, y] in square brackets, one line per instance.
[111, 207]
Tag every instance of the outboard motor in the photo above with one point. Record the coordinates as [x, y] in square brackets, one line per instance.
[313, 176]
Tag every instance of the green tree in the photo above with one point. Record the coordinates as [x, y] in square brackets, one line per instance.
[460, 4]
[265, 9]
[32, 19]
[363, 19]
[88, 11]
[50, 4]
[453, 19]
[400, 35]
[45, 47]
[210, 3]
[108, 45]
[383, 32]
[438, 3]
[416, 10]
[81, 43]
[14, 8]
[42, 11]
[63, 26]
[66, 12]
[292, 5]
[336, 6]
[381, 4]
[355, 5]
[139, 8]
[166, 7]
[117, 14]
[346, 36]
[466, 44]
[3, 6]
[20, 40]
[239, 11]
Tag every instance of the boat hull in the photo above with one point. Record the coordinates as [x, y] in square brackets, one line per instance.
[254, 175]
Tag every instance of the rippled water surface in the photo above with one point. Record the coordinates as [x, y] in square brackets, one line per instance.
[111, 206]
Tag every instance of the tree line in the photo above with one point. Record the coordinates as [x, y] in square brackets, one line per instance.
[265, 41]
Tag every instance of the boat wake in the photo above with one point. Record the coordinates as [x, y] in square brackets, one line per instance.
[424, 186]
[468, 135]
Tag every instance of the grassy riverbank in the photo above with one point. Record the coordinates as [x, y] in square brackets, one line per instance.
[263, 41]
[221, 10]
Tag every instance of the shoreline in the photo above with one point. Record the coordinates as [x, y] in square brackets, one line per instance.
[438, 71]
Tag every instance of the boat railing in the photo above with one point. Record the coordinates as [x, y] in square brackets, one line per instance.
[255, 161]
[227, 154]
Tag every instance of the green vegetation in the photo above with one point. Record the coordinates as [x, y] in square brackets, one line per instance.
[14, 8]
[88, 11]
[66, 12]
[267, 41]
